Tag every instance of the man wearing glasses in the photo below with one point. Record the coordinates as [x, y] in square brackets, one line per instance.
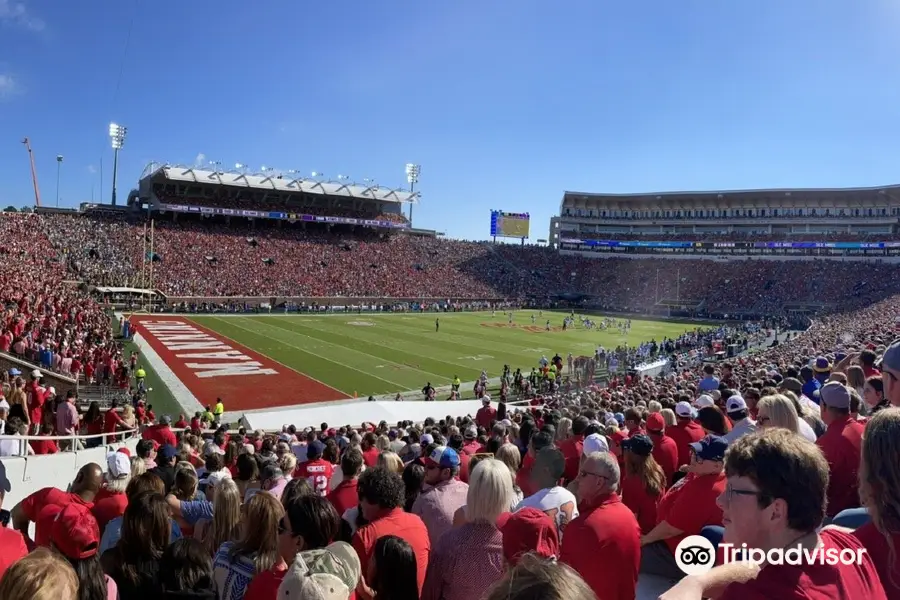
[775, 501]
[604, 542]
[686, 508]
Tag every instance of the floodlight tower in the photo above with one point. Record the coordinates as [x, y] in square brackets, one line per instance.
[412, 177]
[117, 137]
[59, 160]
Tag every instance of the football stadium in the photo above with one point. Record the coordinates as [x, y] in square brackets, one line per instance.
[259, 383]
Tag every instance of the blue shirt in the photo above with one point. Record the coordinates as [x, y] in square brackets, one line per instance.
[113, 533]
[708, 384]
[195, 510]
[810, 388]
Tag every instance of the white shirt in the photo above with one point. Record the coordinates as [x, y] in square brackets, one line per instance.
[557, 502]
[807, 431]
[741, 428]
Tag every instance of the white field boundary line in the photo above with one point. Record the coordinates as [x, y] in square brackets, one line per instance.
[347, 313]
[409, 395]
[178, 389]
[400, 386]
[302, 374]
[423, 343]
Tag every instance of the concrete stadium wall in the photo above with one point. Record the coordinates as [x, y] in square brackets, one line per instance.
[20, 476]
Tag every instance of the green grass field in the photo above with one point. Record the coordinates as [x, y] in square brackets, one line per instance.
[387, 353]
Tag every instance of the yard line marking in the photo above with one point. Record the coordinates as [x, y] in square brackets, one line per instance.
[295, 332]
[420, 340]
[336, 362]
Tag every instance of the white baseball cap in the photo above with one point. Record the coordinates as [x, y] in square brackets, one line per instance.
[119, 465]
[595, 443]
[704, 401]
[684, 410]
[735, 404]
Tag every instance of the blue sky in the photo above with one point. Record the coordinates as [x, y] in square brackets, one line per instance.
[504, 104]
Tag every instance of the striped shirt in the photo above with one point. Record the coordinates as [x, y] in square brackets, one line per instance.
[465, 563]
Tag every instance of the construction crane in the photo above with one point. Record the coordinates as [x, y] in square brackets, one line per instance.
[37, 191]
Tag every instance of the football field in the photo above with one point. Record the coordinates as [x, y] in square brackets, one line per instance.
[386, 353]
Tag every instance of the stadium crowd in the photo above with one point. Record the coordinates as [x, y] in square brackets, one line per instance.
[210, 258]
[574, 496]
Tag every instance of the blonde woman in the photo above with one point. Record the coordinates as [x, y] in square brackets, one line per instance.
[563, 429]
[390, 461]
[535, 577]
[225, 525]
[383, 443]
[654, 407]
[668, 416]
[778, 411]
[237, 563]
[128, 417]
[509, 455]
[477, 541]
[138, 466]
[288, 462]
[41, 575]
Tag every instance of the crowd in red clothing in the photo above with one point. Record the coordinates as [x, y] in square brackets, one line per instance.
[204, 258]
[761, 450]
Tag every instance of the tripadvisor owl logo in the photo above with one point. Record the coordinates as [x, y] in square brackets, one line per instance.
[696, 555]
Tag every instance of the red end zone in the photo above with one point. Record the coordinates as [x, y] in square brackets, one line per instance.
[212, 366]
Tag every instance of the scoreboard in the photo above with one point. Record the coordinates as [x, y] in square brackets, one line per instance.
[511, 225]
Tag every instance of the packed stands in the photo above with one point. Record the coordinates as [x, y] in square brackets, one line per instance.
[207, 258]
[483, 494]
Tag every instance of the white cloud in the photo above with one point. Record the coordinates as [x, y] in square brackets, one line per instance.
[8, 85]
[91, 169]
[200, 160]
[15, 13]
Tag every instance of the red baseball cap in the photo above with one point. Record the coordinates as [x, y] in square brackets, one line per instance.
[528, 530]
[75, 532]
[655, 422]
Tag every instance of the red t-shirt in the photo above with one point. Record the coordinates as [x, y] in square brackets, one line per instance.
[36, 396]
[344, 496]
[12, 548]
[665, 453]
[523, 476]
[814, 581]
[404, 525]
[111, 420]
[44, 446]
[690, 505]
[685, 432]
[265, 585]
[841, 444]
[464, 467]
[878, 550]
[370, 456]
[604, 545]
[485, 416]
[318, 472]
[161, 434]
[181, 424]
[572, 449]
[95, 427]
[644, 506]
[33, 507]
[108, 506]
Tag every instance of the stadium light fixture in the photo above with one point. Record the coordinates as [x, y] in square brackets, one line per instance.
[59, 160]
[117, 137]
[412, 177]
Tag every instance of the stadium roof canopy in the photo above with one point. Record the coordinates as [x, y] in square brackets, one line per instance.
[737, 195]
[275, 181]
